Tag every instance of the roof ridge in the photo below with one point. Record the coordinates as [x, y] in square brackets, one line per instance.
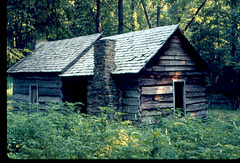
[140, 31]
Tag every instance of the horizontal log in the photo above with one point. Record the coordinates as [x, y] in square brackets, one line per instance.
[130, 109]
[153, 80]
[130, 93]
[175, 57]
[38, 77]
[175, 40]
[155, 105]
[131, 101]
[160, 98]
[22, 97]
[200, 72]
[43, 84]
[172, 73]
[195, 88]
[173, 68]
[156, 81]
[174, 51]
[175, 63]
[41, 91]
[196, 107]
[195, 100]
[49, 99]
[156, 90]
[195, 94]
[195, 80]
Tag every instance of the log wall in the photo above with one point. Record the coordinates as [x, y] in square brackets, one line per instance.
[49, 88]
[130, 98]
[156, 81]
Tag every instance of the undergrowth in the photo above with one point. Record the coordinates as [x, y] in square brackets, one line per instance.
[62, 132]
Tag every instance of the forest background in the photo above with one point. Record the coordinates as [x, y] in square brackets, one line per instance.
[212, 26]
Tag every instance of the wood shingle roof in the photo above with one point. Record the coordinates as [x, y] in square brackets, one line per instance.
[133, 50]
[55, 56]
[75, 57]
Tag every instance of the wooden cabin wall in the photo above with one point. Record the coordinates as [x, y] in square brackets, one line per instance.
[156, 81]
[49, 87]
[129, 85]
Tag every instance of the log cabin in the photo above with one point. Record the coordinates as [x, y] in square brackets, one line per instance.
[143, 74]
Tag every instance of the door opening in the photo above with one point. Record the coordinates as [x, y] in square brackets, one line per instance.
[33, 91]
[179, 96]
[75, 90]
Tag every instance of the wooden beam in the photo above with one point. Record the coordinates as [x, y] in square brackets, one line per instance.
[156, 90]
[156, 105]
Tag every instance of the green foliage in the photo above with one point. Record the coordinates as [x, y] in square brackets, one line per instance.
[214, 32]
[14, 55]
[61, 132]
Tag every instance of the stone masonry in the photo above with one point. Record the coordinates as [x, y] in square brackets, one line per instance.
[103, 91]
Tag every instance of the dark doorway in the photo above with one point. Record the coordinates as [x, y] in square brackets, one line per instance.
[33, 94]
[75, 90]
[179, 96]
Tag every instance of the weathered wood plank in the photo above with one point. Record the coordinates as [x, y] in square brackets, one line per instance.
[130, 101]
[49, 99]
[155, 105]
[39, 77]
[130, 109]
[175, 57]
[174, 51]
[160, 98]
[130, 93]
[195, 94]
[156, 81]
[195, 80]
[156, 90]
[195, 88]
[175, 63]
[173, 68]
[22, 97]
[175, 40]
[41, 91]
[196, 107]
[201, 113]
[195, 100]
[43, 85]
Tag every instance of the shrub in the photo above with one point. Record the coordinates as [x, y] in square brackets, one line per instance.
[69, 134]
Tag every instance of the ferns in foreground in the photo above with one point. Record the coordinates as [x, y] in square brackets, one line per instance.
[68, 134]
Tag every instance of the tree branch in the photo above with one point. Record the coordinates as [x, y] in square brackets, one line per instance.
[193, 18]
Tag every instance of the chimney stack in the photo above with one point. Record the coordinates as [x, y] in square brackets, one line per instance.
[103, 91]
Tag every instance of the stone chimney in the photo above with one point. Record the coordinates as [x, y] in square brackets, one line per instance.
[103, 90]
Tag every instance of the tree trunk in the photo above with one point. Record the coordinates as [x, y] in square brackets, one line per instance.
[98, 17]
[198, 10]
[120, 16]
[133, 19]
[145, 11]
[234, 27]
[158, 16]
